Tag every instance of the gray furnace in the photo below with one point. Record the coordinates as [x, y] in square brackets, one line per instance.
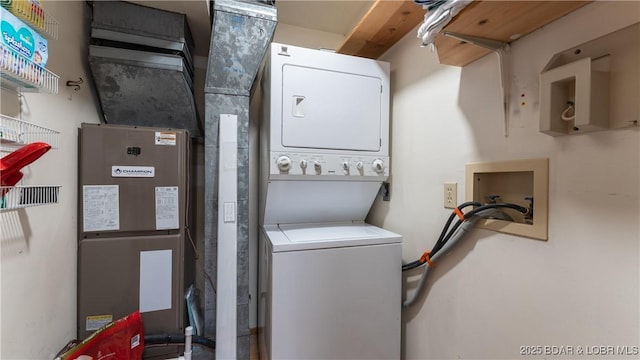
[132, 202]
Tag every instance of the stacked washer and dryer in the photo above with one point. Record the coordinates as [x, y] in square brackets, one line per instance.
[330, 284]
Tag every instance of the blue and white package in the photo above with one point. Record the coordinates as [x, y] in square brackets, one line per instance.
[20, 38]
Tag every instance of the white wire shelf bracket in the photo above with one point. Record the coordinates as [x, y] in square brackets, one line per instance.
[22, 196]
[15, 133]
[23, 75]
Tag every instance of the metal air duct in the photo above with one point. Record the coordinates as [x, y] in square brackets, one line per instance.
[241, 33]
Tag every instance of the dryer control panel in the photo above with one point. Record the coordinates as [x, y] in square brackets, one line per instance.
[329, 166]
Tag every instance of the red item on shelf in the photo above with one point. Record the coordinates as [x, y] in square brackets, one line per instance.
[122, 339]
[11, 164]
[11, 178]
[22, 157]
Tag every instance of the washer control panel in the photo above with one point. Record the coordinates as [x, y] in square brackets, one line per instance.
[313, 164]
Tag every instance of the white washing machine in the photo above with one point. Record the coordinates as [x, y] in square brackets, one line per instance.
[330, 284]
[334, 292]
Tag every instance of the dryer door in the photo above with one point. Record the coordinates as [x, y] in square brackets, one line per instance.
[324, 109]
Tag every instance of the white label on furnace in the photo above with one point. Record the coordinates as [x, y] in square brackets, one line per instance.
[155, 280]
[165, 138]
[100, 208]
[133, 171]
[167, 209]
[95, 322]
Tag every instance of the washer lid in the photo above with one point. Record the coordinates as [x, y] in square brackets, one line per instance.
[332, 235]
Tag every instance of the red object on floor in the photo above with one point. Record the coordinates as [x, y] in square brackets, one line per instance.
[122, 339]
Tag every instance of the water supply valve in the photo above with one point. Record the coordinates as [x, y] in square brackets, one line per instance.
[528, 217]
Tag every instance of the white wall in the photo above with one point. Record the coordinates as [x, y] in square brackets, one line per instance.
[38, 245]
[495, 293]
[309, 38]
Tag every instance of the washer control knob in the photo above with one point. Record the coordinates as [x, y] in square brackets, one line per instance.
[378, 166]
[318, 167]
[345, 167]
[303, 164]
[284, 163]
[360, 166]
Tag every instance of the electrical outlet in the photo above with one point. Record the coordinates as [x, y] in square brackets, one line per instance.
[450, 195]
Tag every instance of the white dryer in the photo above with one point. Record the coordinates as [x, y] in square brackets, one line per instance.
[330, 285]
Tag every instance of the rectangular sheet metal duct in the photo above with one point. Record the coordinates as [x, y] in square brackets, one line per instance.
[241, 33]
[141, 63]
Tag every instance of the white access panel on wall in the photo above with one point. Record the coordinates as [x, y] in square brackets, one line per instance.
[328, 109]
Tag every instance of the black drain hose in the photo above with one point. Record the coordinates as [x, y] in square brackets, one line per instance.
[158, 339]
[464, 224]
[446, 233]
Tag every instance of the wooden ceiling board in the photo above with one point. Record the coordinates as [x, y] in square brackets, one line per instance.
[386, 22]
[383, 25]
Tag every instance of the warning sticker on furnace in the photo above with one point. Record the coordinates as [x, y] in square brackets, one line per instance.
[165, 138]
[97, 321]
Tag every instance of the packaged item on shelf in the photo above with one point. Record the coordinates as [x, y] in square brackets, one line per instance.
[19, 37]
[21, 68]
[7, 134]
[29, 10]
